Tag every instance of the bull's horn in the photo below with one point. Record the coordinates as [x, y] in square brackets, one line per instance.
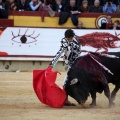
[74, 81]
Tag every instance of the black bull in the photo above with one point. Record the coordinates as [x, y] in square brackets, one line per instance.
[86, 76]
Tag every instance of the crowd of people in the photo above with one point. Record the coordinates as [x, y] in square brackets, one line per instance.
[66, 8]
[105, 6]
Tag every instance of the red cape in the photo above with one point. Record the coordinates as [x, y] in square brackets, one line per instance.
[45, 88]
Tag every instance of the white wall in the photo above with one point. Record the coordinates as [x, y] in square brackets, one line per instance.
[46, 44]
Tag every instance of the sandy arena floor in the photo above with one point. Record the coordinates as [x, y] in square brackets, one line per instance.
[19, 102]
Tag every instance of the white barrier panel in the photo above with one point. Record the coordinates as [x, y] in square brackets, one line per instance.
[46, 42]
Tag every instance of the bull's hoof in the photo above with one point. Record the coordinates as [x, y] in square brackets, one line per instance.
[111, 105]
[113, 98]
[69, 104]
[92, 105]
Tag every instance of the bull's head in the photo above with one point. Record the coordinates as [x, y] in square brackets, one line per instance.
[77, 85]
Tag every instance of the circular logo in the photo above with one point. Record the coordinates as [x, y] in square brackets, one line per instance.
[101, 19]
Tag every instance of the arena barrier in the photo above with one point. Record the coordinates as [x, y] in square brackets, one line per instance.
[42, 19]
[34, 48]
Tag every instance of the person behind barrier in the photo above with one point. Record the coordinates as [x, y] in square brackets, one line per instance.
[72, 9]
[109, 7]
[118, 7]
[35, 5]
[96, 8]
[84, 7]
[10, 5]
[80, 25]
[115, 25]
[2, 5]
[23, 5]
[47, 7]
[3, 12]
[58, 6]
[106, 24]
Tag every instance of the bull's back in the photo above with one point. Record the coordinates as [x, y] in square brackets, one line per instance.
[113, 64]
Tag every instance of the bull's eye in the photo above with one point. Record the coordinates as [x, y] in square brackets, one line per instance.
[75, 90]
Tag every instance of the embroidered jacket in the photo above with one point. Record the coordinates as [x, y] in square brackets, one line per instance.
[71, 51]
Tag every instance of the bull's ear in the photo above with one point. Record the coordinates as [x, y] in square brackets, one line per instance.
[74, 81]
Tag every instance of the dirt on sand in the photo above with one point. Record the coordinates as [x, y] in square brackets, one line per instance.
[19, 102]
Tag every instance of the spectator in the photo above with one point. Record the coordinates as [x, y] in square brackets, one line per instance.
[96, 7]
[118, 8]
[10, 5]
[106, 24]
[109, 7]
[73, 10]
[80, 25]
[84, 7]
[23, 5]
[91, 2]
[3, 12]
[58, 6]
[46, 7]
[35, 5]
[2, 5]
[115, 25]
[64, 13]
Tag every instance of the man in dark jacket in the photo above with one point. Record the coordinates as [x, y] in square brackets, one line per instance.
[72, 7]
[96, 8]
[3, 12]
[73, 10]
[58, 6]
[23, 5]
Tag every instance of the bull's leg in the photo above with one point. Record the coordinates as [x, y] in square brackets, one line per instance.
[107, 94]
[93, 95]
[113, 94]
